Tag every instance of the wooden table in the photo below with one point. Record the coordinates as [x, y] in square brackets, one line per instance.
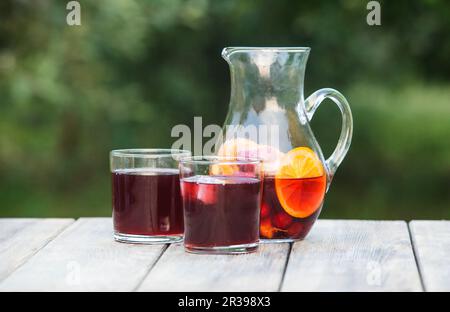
[338, 255]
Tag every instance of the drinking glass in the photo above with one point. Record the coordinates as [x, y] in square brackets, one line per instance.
[221, 200]
[146, 198]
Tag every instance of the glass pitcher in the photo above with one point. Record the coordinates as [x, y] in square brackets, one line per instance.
[268, 118]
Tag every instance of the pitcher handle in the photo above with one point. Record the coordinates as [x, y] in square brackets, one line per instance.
[345, 138]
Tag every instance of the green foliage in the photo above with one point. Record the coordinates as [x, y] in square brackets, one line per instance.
[136, 68]
[399, 163]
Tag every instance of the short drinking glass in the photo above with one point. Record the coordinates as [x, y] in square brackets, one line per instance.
[146, 197]
[221, 199]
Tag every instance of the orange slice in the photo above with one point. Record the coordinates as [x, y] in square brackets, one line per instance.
[231, 148]
[266, 229]
[223, 170]
[300, 182]
[245, 148]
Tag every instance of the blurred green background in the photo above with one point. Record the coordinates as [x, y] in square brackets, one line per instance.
[134, 69]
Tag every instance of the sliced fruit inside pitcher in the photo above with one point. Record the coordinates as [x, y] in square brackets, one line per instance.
[266, 228]
[223, 170]
[293, 189]
[245, 148]
[300, 182]
[230, 149]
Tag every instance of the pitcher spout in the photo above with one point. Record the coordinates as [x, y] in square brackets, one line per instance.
[261, 74]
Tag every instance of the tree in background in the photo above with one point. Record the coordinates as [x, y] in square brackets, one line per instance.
[134, 69]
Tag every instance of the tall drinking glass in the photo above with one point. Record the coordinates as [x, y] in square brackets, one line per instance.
[146, 197]
[221, 199]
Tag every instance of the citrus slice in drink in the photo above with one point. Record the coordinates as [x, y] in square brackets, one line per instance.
[300, 182]
[223, 170]
[231, 149]
[248, 149]
[266, 229]
[234, 147]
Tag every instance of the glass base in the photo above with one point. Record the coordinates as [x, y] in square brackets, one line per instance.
[146, 239]
[279, 240]
[223, 250]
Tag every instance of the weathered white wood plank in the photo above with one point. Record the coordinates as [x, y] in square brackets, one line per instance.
[22, 238]
[85, 258]
[431, 240]
[181, 271]
[350, 255]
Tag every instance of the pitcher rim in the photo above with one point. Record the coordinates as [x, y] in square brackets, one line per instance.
[227, 51]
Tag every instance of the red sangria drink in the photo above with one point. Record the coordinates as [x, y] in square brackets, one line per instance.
[294, 187]
[294, 219]
[293, 197]
[147, 202]
[146, 197]
[221, 208]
